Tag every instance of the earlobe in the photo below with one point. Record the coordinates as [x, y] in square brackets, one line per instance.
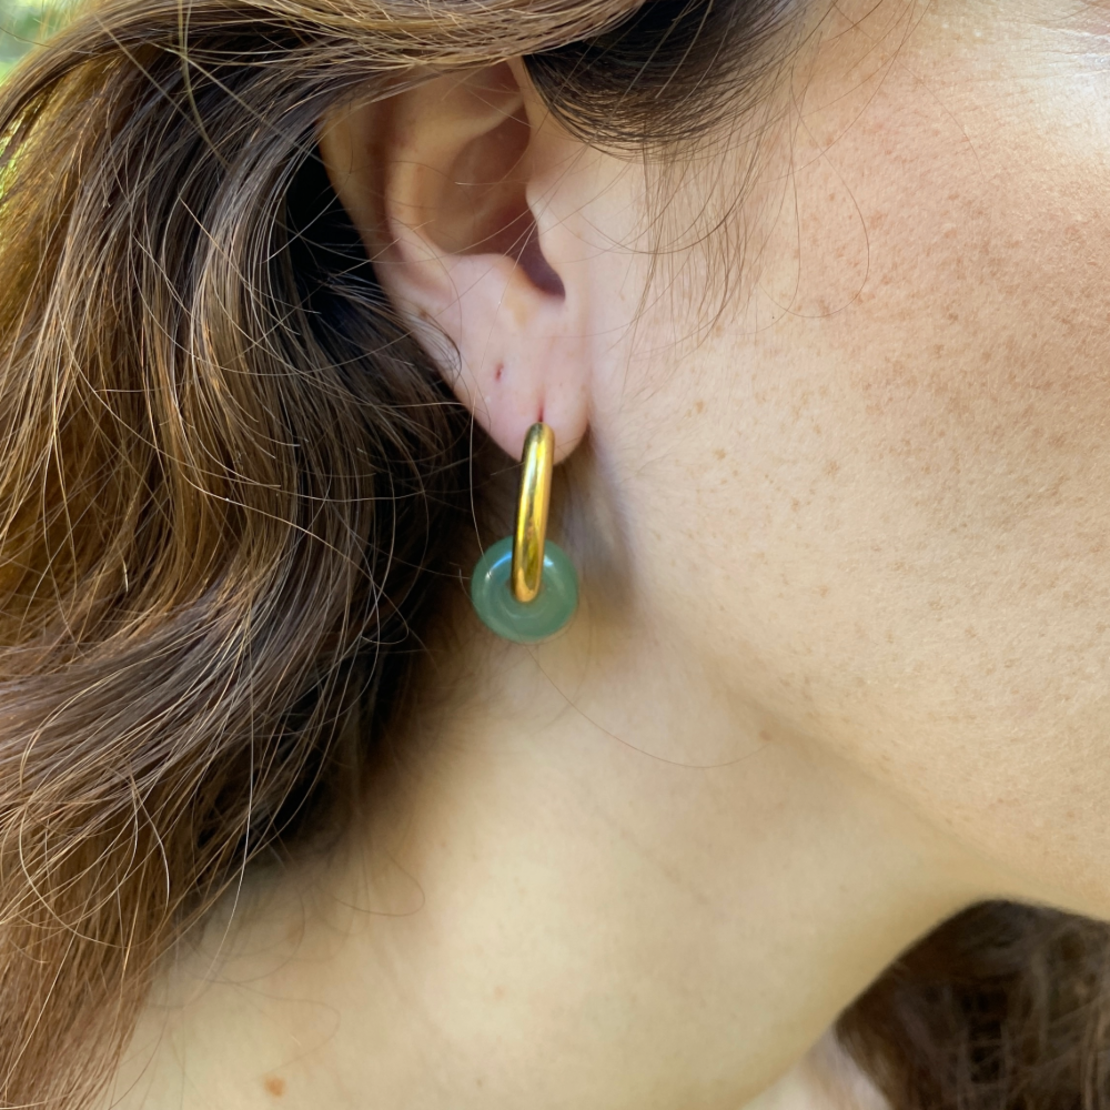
[445, 183]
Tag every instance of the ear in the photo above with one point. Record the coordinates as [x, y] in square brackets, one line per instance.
[451, 187]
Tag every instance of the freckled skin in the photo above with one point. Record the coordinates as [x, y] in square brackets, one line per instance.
[918, 396]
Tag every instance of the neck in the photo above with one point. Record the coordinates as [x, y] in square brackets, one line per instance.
[589, 879]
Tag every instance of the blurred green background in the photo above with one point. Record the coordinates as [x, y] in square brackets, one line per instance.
[23, 23]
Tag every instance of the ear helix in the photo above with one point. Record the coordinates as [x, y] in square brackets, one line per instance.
[524, 587]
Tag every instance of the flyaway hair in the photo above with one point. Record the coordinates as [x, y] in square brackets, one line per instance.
[231, 484]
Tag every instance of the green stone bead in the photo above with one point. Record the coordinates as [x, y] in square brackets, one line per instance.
[524, 622]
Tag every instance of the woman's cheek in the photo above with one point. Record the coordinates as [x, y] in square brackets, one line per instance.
[937, 272]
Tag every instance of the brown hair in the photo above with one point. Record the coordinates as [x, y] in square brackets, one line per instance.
[230, 482]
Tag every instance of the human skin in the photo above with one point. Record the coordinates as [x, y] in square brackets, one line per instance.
[841, 666]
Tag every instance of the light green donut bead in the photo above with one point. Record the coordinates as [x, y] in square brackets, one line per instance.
[524, 622]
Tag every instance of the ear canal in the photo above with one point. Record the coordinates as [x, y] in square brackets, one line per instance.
[536, 267]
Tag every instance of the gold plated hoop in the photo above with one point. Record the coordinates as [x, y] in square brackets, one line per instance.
[524, 587]
[531, 512]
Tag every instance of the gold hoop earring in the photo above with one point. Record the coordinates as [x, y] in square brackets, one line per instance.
[524, 587]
